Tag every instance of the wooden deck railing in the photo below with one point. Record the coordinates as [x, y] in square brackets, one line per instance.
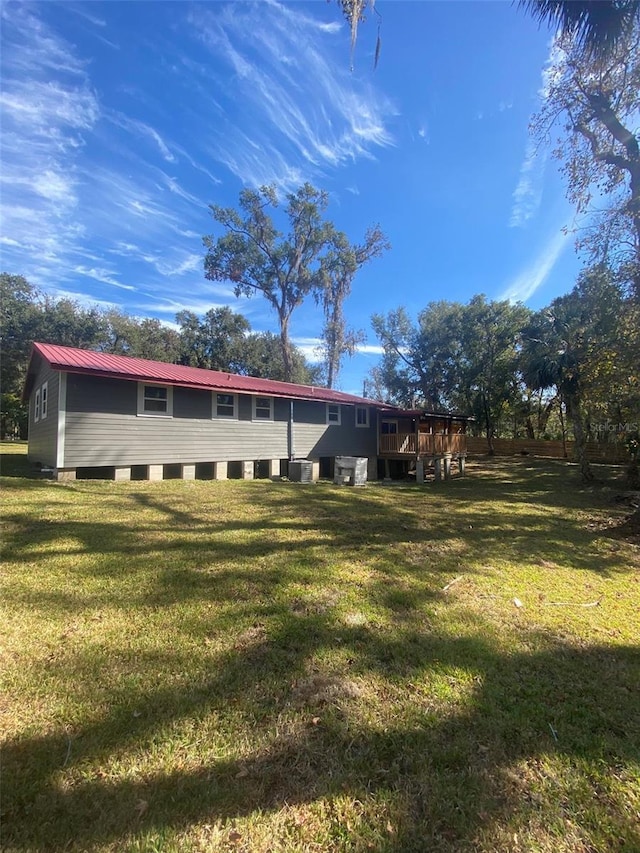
[404, 444]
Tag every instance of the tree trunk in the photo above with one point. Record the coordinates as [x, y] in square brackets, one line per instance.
[575, 415]
[285, 344]
[329, 372]
[563, 428]
[488, 427]
[543, 417]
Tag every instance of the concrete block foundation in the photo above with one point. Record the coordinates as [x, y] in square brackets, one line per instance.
[220, 471]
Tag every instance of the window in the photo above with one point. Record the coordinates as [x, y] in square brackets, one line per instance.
[224, 405]
[362, 416]
[389, 428]
[155, 400]
[36, 407]
[263, 408]
[44, 396]
[333, 414]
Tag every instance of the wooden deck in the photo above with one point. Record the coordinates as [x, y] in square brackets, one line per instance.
[402, 445]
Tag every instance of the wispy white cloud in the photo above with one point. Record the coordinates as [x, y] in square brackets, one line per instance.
[525, 284]
[305, 112]
[527, 196]
[166, 305]
[83, 13]
[102, 275]
[311, 348]
[83, 299]
[45, 125]
[145, 130]
[370, 349]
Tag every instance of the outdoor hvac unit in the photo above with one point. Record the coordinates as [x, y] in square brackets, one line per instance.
[350, 471]
[301, 471]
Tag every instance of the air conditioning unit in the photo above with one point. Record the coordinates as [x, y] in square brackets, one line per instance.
[301, 471]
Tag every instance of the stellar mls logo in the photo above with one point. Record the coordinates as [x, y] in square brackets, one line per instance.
[608, 427]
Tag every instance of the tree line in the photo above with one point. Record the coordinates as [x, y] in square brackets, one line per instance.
[219, 340]
[522, 374]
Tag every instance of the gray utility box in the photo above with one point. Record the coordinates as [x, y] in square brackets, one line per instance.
[350, 471]
[301, 471]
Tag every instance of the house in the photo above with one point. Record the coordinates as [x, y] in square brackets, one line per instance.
[92, 413]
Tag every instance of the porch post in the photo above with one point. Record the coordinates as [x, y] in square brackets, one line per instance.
[420, 471]
[447, 466]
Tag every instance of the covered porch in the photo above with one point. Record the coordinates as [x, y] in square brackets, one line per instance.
[423, 439]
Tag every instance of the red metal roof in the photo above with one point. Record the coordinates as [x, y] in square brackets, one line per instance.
[75, 360]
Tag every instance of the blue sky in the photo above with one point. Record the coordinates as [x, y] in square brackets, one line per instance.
[122, 122]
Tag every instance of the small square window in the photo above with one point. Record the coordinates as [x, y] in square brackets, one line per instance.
[224, 405]
[44, 400]
[263, 408]
[362, 416]
[333, 414]
[155, 400]
[36, 407]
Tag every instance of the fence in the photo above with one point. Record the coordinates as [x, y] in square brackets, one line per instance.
[596, 452]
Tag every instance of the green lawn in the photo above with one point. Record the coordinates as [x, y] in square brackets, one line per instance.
[256, 666]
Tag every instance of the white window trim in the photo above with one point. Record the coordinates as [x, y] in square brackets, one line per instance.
[44, 401]
[214, 404]
[36, 407]
[254, 402]
[339, 408]
[141, 411]
[365, 425]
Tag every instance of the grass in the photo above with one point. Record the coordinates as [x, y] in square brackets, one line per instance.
[255, 666]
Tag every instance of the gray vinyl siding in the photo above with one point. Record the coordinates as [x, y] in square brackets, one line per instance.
[313, 438]
[43, 436]
[103, 429]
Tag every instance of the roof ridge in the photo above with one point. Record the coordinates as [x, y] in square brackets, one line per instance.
[78, 360]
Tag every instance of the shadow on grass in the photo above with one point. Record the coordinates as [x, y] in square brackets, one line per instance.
[451, 769]
[189, 549]
[14, 464]
[452, 774]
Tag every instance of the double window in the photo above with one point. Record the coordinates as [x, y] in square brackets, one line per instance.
[155, 400]
[41, 403]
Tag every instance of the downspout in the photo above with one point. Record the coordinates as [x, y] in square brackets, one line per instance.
[290, 443]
